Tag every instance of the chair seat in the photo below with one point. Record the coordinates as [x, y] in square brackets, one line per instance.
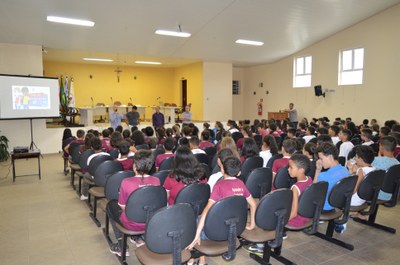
[214, 248]
[128, 232]
[381, 202]
[359, 208]
[145, 256]
[258, 235]
[336, 213]
[102, 204]
[306, 225]
[88, 181]
[75, 167]
[97, 191]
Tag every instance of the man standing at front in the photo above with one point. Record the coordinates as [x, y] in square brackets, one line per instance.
[132, 117]
[158, 118]
[115, 117]
[292, 115]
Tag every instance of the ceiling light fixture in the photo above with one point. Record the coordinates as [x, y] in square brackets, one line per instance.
[71, 21]
[173, 33]
[98, 59]
[147, 62]
[249, 42]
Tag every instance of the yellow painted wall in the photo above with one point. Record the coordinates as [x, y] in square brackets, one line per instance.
[150, 83]
[193, 73]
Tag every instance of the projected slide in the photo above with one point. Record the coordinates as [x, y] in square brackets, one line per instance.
[30, 97]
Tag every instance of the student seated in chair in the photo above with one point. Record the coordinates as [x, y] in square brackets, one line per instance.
[310, 134]
[366, 136]
[169, 145]
[229, 186]
[385, 160]
[288, 149]
[80, 138]
[328, 159]
[126, 162]
[194, 145]
[142, 166]
[346, 146]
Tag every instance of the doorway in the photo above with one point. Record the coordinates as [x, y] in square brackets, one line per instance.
[184, 92]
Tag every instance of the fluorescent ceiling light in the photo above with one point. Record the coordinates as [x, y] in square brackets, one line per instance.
[146, 62]
[173, 33]
[98, 59]
[250, 42]
[71, 21]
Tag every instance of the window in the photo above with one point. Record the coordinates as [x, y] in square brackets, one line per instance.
[235, 87]
[351, 67]
[302, 71]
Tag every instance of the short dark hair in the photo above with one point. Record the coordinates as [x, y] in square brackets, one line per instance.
[322, 130]
[347, 132]
[396, 127]
[123, 148]
[310, 147]
[134, 107]
[301, 161]
[80, 133]
[388, 143]
[149, 131]
[311, 129]
[143, 161]
[231, 166]
[169, 144]
[290, 146]
[291, 131]
[105, 133]
[194, 140]
[335, 129]
[224, 153]
[365, 121]
[396, 135]
[126, 133]
[328, 149]
[366, 153]
[205, 135]
[367, 133]
[249, 148]
[96, 143]
[385, 130]
[137, 137]
[324, 138]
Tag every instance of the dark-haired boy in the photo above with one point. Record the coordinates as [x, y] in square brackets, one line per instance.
[169, 145]
[194, 145]
[346, 146]
[126, 162]
[310, 134]
[289, 147]
[80, 138]
[229, 186]
[366, 136]
[333, 133]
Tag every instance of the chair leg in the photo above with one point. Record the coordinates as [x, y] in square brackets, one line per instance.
[72, 177]
[265, 259]
[371, 222]
[124, 247]
[93, 214]
[88, 202]
[106, 229]
[65, 166]
[79, 191]
[276, 254]
[328, 236]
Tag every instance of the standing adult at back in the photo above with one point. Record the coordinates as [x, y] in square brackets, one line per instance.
[292, 115]
[132, 117]
[158, 118]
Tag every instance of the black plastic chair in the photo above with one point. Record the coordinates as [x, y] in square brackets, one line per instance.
[210, 151]
[369, 191]
[311, 203]
[111, 192]
[313, 167]
[258, 139]
[340, 198]
[141, 205]
[142, 147]
[166, 164]
[103, 171]
[279, 141]
[84, 168]
[225, 220]
[272, 159]
[259, 182]
[282, 179]
[202, 158]
[236, 136]
[74, 152]
[250, 164]
[167, 234]
[214, 161]
[216, 169]
[272, 215]
[114, 153]
[342, 160]
[196, 195]
[162, 175]
[89, 178]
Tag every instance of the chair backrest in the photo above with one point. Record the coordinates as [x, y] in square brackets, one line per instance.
[114, 153]
[206, 171]
[259, 182]
[214, 161]
[398, 157]
[250, 164]
[258, 139]
[340, 195]
[278, 141]
[355, 141]
[162, 175]
[167, 164]
[236, 136]
[73, 151]
[273, 213]
[158, 151]
[202, 158]
[272, 159]
[375, 147]
[84, 157]
[96, 161]
[392, 178]
[371, 184]
[144, 202]
[196, 195]
[342, 160]
[170, 230]
[311, 198]
[113, 184]
[210, 151]
[142, 147]
[104, 170]
[283, 179]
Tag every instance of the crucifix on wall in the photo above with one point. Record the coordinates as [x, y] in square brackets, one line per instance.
[118, 71]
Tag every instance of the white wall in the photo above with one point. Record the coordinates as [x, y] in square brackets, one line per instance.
[217, 91]
[377, 98]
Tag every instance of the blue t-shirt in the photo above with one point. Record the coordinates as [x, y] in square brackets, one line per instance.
[384, 163]
[332, 175]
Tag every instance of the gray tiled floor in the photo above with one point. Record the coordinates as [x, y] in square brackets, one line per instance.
[44, 222]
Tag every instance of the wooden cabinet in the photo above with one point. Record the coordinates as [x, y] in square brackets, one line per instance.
[278, 115]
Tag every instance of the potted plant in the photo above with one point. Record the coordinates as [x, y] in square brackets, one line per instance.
[4, 154]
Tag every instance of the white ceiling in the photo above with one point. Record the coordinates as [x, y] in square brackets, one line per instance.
[124, 29]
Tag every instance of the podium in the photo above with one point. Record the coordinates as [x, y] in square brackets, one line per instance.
[278, 115]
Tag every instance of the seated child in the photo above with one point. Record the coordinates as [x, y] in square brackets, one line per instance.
[126, 162]
[116, 211]
[205, 139]
[229, 186]
[288, 149]
[310, 134]
[346, 145]
[169, 145]
[268, 149]
[194, 145]
[333, 133]
[298, 166]
[366, 136]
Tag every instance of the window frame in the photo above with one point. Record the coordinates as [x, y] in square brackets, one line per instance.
[353, 70]
[304, 73]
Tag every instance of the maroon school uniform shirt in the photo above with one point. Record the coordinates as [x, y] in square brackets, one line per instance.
[229, 187]
[127, 163]
[280, 163]
[299, 220]
[173, 186]
[128, 186]
[204, 144]
[161, 158]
